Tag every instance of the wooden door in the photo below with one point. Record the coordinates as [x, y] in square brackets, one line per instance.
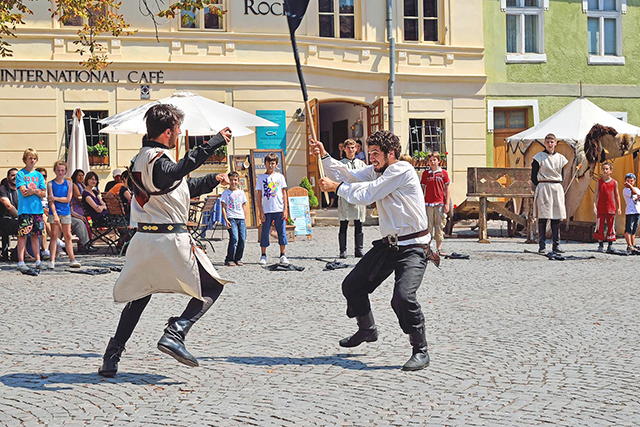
[507, 122]
[312, 161]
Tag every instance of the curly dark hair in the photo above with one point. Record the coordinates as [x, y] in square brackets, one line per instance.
[387, 141]
[162, 117]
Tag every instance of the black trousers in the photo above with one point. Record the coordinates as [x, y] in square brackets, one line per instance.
[211, 290]
[408, 265]
[345, 224]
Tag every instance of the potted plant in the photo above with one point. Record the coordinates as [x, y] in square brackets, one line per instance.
[313, 200]
[423, 159]
[98, 154]
[415, 158]
[222, 154]
[290, 230]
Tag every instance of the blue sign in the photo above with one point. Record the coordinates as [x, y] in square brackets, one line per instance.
[272, 137]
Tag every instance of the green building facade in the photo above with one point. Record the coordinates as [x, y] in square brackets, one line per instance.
[538, 52]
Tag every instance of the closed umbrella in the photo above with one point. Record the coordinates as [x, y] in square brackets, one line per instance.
[78, 157]
[202, 116]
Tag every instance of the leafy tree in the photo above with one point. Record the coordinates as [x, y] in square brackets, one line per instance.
[313, 200]
[100, 17]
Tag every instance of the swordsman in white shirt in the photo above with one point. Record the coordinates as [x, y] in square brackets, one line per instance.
[162, 256]
[404, 248]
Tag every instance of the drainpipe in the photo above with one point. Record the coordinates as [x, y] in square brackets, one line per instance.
[392, 62]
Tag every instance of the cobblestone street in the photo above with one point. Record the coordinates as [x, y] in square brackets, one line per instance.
[514, 339]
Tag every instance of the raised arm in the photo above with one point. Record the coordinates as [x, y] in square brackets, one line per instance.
[365, 193]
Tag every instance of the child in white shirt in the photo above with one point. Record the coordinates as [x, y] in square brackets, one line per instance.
[233, 204]
[631, 195]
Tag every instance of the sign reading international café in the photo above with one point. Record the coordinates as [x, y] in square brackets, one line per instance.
[79, 76]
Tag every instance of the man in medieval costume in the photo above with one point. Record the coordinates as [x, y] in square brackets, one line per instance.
[162, 256]
[547, 174]
[404, 249]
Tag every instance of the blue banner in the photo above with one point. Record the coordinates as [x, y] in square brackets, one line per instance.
[272, 137]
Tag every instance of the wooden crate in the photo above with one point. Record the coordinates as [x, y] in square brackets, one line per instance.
[580, 231]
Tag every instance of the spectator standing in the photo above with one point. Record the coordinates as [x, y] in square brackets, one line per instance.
[272, 208]
[46, 233]
[437, 198]
[360, 155]
[631, 195]
[32, 190]
[349, 212]
[60, 193]
[606, 204]
[8, 211]
[233, 209]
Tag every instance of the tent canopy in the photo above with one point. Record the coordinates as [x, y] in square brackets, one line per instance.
[571, 125]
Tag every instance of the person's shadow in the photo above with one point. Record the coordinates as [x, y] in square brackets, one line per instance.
[340, 360]
[54, 381]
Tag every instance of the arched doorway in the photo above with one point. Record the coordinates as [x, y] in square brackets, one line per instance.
[336, 120]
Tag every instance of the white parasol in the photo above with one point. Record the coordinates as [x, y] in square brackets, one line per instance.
[202, 116]
[78, 158]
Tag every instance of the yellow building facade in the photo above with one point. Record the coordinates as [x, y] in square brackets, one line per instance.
[244, 59]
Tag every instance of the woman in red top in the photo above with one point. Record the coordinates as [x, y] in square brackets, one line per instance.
[606, 204]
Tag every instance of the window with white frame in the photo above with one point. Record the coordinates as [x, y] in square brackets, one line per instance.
[421, 20]
[208, 18]
[337, 14]
[604, 28]
[525, 26]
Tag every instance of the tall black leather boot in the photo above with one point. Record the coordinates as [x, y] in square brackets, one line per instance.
[420, 357]
[342, 241]
[172, 342]
[367, 332]
[111, 358]
[359, 237]
[542, 235]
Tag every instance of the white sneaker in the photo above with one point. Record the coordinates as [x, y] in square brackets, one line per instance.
[61, 244]
[22, 267]
[263, 260]
[51, 266]
[74, 264]
[45, 254]
[284, 260]
[40, 266]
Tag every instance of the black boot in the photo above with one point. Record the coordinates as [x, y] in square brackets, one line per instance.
[367, 331]
[172, 342]
[557, 249]
[111, 358]
[542, 235]
[342, 240]
[420, 357]
[359, 243]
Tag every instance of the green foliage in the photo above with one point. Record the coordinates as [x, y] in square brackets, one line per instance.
[98, 149]
[11, 14]
[221, 151]
[313, 200]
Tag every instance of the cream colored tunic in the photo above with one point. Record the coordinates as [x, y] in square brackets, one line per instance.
[348, 211]
[162, 262]
[549, 195]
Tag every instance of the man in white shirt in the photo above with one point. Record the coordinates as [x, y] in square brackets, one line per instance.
[404, 249]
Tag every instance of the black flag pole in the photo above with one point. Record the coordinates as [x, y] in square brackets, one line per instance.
[295, 10]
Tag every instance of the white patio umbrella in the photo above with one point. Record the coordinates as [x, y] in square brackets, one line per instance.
[78, 157]
[202, 116]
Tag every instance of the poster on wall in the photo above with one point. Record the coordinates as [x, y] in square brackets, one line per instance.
[272, 137]
[300, 214]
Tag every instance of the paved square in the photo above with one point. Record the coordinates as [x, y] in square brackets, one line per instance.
[514, 339]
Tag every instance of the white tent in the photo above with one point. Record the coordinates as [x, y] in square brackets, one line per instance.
[571, 125]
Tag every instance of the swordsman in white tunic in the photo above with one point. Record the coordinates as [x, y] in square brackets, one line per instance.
[404, 248]
[162, 256]
[547, 175]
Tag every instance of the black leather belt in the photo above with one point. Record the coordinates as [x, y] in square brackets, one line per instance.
[393, 239]
[162, 228]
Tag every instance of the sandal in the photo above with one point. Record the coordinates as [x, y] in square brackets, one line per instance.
[441, 252]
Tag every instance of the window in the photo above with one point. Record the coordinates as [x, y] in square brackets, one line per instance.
[604, 29]
[91, 128]
[219, 156]
[343, 20]
[421, 20]
[92, 13]
[510, 119]
[525, 30]
[427, 135]
[206, 18]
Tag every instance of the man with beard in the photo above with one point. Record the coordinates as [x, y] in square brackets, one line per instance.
[162, 256]
[404, 248]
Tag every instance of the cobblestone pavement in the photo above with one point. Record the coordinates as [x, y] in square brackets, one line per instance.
[515, 340]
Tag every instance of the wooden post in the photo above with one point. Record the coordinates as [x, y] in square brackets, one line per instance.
[528, 205]
[482, 222]
[314, 136]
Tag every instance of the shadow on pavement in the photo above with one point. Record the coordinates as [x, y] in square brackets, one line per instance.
[54, 381]
[84, 355]
[341, 360]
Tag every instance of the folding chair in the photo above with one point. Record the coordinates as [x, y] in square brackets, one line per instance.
[101, 232]
[119, 219]
[206, 214]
